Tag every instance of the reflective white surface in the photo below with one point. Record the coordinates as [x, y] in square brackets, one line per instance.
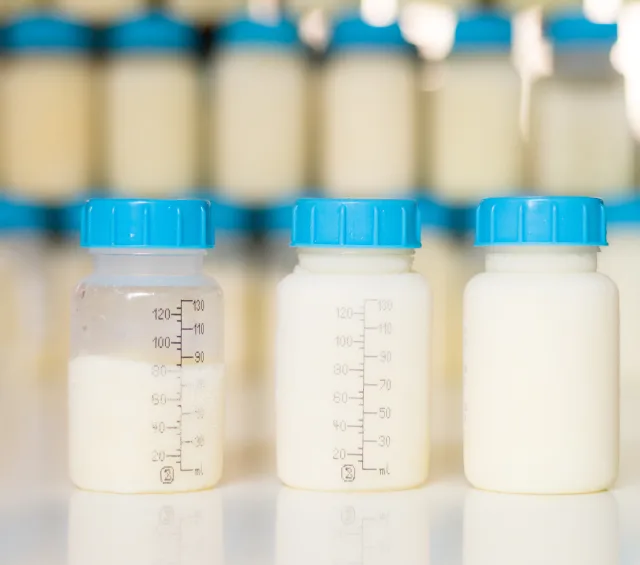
[252, 519]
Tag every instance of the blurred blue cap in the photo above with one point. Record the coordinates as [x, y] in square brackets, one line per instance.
[483, 32]
[435, 215]
[623, 211]
[572, 30]
[153, 31]
[280, 33]
[361, 223]
[228, 216]
[179, 224]
[47, 32]
[352, 33]
[539, 220]
[18, 215]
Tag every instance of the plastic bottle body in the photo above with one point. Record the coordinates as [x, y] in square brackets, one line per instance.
[47, 125]
[369, 111]
[258, 116]
[352, 374]
[474, 118]
[145, 377]
[152, 104]
[541, 373]
[581, 142]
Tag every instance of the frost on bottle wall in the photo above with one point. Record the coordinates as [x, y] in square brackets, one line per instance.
[258, 111]
[581, 141]
[46, 106]
[151, 96]
[145, 376]
[368, 107]
[351, 356]
[473, 123]
[541, 350]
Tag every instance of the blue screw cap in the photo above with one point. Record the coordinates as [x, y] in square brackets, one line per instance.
[175, 224]
[47, 32]
[22, 216]
[280, 33]
[153, 32]
[437, 216]
[361, 223]
[352, 33]
[538, 220]
[624, 211]
[483, 32]
[231, 217]
[571, 30]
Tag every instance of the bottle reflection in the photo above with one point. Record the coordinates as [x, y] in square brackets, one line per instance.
[321, 528]
[501, 529]
[181, 529]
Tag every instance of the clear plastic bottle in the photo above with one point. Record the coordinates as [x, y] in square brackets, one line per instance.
[145, 376]
[541, 350]
[152, 104]
[368, 108]
[258, 111]
[46, 105]
[352, 358]
[581, 141]
[474, 116]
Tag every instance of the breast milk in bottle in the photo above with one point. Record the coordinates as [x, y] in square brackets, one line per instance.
[352, 361]
[145, 376]
[368, 107]
[258, 111]
[541, 350]
[473, 121]
[46, 96]
[581, 142]
[151, 104]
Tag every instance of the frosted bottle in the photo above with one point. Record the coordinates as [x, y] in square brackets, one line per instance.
[580, 141]
[100, 12]
[258, 111]
[439, 260]
[46, 106]
[473, 119]
[352, 361]
[145, 375]
[541, 350]
[151, 107]
[368, 110]
[232, 262]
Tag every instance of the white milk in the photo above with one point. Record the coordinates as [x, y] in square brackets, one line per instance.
[473, 119]
[258, 112]
[502, 529]
[581, 141]
[205, 12]
[167, 433]
[541, 351]
[351, 368]
[46, 106]
[368, 108]
[99, 11]
[152, 105]
[439, 260]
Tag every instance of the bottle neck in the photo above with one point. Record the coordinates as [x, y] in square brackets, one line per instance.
[355, 261]
[542, 259]
[158, 262]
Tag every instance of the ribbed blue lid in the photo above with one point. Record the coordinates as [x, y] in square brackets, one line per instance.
[352, 33]
[47, 32]
[228, 216]
[181, 224]
[624, 211]
[572, 30]
[483, 32]
[362, 223]
[540, 220]
[280, 33]
[435, 215]
[22, 216]
[153, 31]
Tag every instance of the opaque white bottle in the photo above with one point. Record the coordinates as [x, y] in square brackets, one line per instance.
[152, 103]
[473, 118]
[368, 109]
[352, 340]
[581, 141]
[46, 106]
[541, 350]
[258, 111]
